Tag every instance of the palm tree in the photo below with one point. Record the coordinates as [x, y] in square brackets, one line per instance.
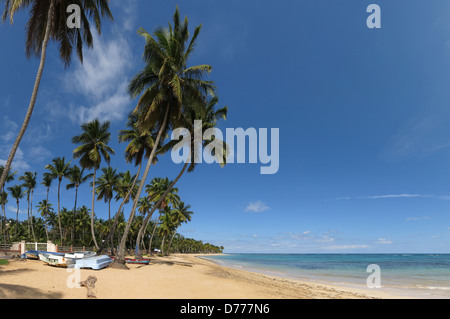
[9, 177]
[76, 178]
[166, 227]
[106, 186]
[45, 208]
[94, 139]
[29, 182]
[156, 190]
[59, 169]
[180, 214]
[17, 194]
[3, 202]
[140, 145]
[163, 85]
[209, 117]
[48, 21]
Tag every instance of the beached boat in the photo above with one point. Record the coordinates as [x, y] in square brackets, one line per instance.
[95, 262]
[34, 254]
[80, 254]
[144, 261]
[64, 260]
[54, 260]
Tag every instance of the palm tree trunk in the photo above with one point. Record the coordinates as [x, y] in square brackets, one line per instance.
[33, 98]
[121, 254]
[4, 218]
[59, 216]
[138, 253]
[92, 211]
[17, 216]
[31, 215]
[74, 215]
[153, 235]
[116, 219]
[46, 213]
[171, 239]
[162, 245]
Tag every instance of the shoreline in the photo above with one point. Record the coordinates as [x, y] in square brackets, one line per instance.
[178, 276]
[384, 291]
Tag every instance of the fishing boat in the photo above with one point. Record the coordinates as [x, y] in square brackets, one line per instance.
[94, 262]
[144, 261]
[34, 254]
[64, 260]
[54, 260]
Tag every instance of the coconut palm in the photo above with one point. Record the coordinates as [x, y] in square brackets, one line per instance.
[17, 193]
[163, 85]
[59, 169]
[76, 178]
[94, 146]
[158, 188]
[29, 183]
[106, 186]
[45, 208]
[166, 227]
[3, 202]
[9, 177]
[48, 21]
[180, 214]
[209, 117]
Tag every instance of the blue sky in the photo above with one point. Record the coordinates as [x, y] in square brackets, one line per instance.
[362, 113]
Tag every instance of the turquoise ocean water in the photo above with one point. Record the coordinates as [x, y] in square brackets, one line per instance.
[415, 275]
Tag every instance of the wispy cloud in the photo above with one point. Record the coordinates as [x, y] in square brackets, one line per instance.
[344, 247]
[256, 207]
[413, 219]
[396, 196]
[383, 241]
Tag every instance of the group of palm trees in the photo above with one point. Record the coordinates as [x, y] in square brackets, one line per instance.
[169, 95]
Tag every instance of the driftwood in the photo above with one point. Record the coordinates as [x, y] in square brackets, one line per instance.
[89, 283]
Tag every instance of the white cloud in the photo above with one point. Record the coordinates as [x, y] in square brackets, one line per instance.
[19, 163]
[256, 207]
[383, 241]
[102, 80]
[411, 219]
[396, 196]
[9, 130]
[341, 247]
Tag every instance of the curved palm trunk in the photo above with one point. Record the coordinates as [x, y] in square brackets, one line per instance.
[116, 219]
[4, 218]
[121, 254]
[33, 98]
[141, 230]
[92, 211]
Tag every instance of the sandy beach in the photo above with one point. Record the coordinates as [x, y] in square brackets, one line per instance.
[173, 277]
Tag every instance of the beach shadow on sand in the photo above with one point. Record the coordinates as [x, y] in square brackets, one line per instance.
[8, 291]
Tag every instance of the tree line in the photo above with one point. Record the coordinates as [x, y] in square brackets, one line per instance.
[170, 95]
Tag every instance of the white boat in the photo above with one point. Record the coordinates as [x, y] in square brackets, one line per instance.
[66, 259]
[95, 262]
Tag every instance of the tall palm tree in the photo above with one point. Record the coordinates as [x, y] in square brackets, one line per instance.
[140, 145]
[29, 182]
[76, 178]
[94, 141]
[180, 214]
[156, 190]
[59, 169]
[17, 193]
[206, 112]
[106, 186]
[48, 21]
[9, 177]
[45, 208]
[3, 202]
[163, 85]
[166, 227]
